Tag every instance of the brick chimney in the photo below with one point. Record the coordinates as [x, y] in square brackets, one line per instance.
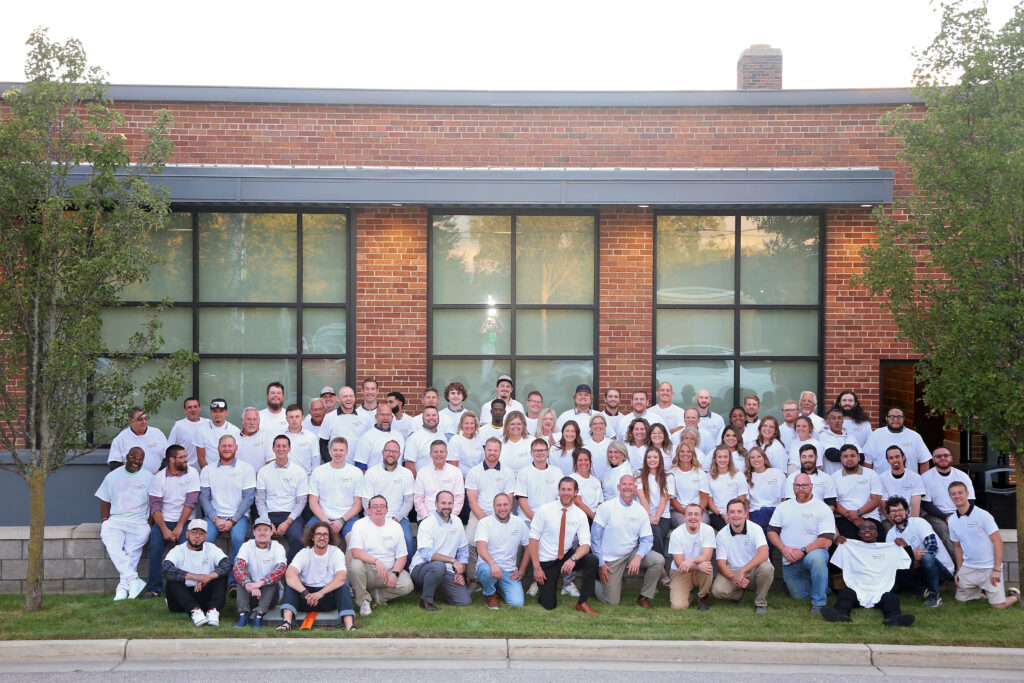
[759, 68]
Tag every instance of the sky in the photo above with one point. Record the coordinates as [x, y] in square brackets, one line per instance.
[478, 45]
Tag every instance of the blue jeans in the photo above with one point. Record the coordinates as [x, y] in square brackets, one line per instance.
[239, 532]
[511, 589]
[410, 545]
[155, 579]
[808, 578]
[928, 575]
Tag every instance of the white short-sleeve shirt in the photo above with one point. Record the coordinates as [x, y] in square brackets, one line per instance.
[128, 495]
[973, 532]
[260, 561]
[282, 484]
[800, 523]
[690, 545]
[335, 488]
[173, 491]
[318, 570]
[226, 483]
[853, 491]
[195, 561]
[738, 549]
[385, 543]
[503, 539]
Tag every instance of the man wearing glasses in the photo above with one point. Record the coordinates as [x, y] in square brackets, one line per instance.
[895, 434]
[173, 497]
[379, 555]
[138, 433]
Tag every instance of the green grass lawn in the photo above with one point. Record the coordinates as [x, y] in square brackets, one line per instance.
[97, 616]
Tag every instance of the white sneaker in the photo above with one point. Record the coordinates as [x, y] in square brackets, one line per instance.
[120, 594]
[198, 618]
[571, 589]
[533, 590]
[364, 609]
[213, 618]
[136, 588]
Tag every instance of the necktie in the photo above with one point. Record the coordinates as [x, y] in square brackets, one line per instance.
[561, 536]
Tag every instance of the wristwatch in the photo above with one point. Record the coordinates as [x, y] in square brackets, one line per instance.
[396, 573]
[803, 549]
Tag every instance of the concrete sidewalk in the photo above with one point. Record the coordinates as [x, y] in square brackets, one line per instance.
[122, 654]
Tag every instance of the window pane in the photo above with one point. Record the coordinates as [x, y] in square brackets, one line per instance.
[318, 373]
[472, 258]
[246, 330]
[171, 279]
[779, 259]
[555, 259]
[120, 323]
[244, 382]
[169, 410]
[472, 332]
[687, 377]
[554, 332]
[324, 258]
[247, 257]
[324, 330]
[555, 379]
[695, 332]
[779, 333]
[696, 259]
[777, 381]
[478, 376]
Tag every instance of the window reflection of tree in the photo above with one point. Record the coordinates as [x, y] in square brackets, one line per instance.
[779, 259]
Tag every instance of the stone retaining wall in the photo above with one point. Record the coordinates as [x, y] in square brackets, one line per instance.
[75, 560]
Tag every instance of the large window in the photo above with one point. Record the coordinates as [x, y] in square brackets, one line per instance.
[737, 307]
[259, 296]
[513, 294]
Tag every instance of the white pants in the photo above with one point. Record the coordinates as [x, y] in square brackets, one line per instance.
[124, 543]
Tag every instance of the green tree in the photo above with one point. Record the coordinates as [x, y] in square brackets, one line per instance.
[75, 214]
[950, 257]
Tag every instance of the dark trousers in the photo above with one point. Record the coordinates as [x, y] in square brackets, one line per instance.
[661, 532]
[586, 571]
[182, 598]
[293, 535]
[846, 600]
[717, 522]
[156, 558]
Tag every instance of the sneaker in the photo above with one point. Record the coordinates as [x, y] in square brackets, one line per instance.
[257, 620]
[243, 620]
[833, 615]
[571, 589]
[760, 609]
[932, 599]
[816, 609]
[136, 588]
[198, 618]
[702, 604]
[532, 592]
[899, 620]
[120, 594]
[364, 609]
[213, 618]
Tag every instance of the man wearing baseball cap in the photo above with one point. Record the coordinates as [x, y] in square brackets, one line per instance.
[504, 392]
[196, 573]
[259, 568]
[581, 411]
[208, 434]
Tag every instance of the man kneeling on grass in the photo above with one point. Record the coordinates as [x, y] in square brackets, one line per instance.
[317, 578]
[197, 576]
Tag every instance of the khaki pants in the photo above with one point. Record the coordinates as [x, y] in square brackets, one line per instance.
[760, 580]
[650, 566]
[683, 583]
[364, 578]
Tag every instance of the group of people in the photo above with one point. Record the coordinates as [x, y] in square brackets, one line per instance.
[567, 504]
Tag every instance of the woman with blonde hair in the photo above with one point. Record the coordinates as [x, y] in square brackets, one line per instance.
[725, 482]
[767, 486]
[546, 426]
[466, 446]
[515, 444]
[691, 435]
[691, 482]
[618, 465]
[597, 444]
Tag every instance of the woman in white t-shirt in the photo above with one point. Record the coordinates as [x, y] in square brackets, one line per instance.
[546, 426]
[618, 465]
[638, 438]
[561, 454]
[732, 438]
[466, 446]
[803, 428]
[691, 435]
[591, 493]
[767, 486]
[515, 445]
[598, 446]
[725, 482]
[769, 442]
[661, 440]
[691, 482]
[654, 488]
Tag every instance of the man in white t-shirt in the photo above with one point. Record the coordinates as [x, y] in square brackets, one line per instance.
[258, 570]
[581, 411]
[455, 393]
[208, 435]
[787, 428]
[196, 576]
[710, 422]
[612, 416]
[334, 491]
[138, 434]
[379, 555]
[537, 483]
[484, 481]
[370, 392]
[894, 433]
[281, 491]
[858, 493]
[855, 419]
[691, 546]
[534, 406]
[184, 430]
[869, 572]
[751, 417]
[832, 438]
[227, 490]
[431, 398]
[978, 550]
[899, 481]
[498, 538]
[317, 579]
[272, 418]
[503, 390]
[346, 422]
[938, 506]
[640, 403]
[802, 528]
[931, 566]
[305, 445]
[416, 453]
[742, 557]
[329, 398]
[824, 486]
[255, 446]
[439, 565]
[315, 418]
[622, 540]
[371, 441]
[402, 422]
[671, 414]
[173, 497]
[124, 509]
[396, 484]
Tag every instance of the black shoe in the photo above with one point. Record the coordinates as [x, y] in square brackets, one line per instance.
[834, 615]
[899, 620]
[233, 591]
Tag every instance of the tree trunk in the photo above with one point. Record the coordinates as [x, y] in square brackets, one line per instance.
[37, 528]
[1018, 465]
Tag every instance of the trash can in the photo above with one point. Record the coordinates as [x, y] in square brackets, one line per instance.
[1000, 496]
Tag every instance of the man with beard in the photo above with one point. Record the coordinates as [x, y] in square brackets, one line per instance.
[612, 399]
[371, 442]
[752, 422]
[824, 487]
[503, 389]
[208, 435]
[402, 422]
[710, 422]
[345, 422]
[329, 398]
[931, 566]
[316, 580]
[581, 411]
[551, 534]
[227, 489]
[484, 481]
[499, 536]
[272, 418]
[939, 506]
[899, 481]
[196, 576]
[396, 484]
[895, 434]
[124, 509]
[173, 496]
[258, 570]
[833, 437]
[439, 565]
[802, 529]
[858, 492]
[855, 420]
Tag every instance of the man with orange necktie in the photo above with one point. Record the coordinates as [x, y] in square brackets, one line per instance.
[551, 535]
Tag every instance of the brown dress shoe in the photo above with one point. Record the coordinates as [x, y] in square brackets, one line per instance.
[584, 607]
[428, 606]
[492, 601]
[644, 602]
